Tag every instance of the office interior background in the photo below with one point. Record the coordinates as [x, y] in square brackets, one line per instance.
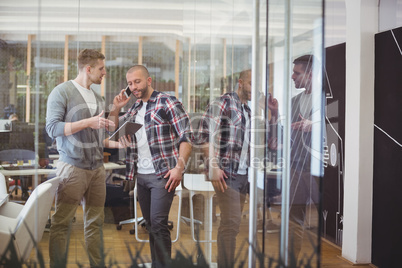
[195, 50]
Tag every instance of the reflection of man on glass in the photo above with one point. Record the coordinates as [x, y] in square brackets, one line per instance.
[157, 156]
[226, 125]
[74, 119]
[304, 189]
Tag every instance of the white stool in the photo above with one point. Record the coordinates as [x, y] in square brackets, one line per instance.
[196, 184]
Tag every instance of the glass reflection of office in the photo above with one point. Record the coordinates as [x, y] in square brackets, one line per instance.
[210, 66]
[280, 86]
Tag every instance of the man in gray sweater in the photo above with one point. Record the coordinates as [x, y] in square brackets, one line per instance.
[75, 119]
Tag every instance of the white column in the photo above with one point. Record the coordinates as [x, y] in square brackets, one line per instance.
[362, 24]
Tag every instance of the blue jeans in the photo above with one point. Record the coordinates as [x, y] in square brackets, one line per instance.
[231, 204]
[155, 202]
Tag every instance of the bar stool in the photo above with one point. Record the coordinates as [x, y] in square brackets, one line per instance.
[196, 184]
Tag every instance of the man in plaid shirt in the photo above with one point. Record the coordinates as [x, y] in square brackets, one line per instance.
[157, 154]
[225, 135]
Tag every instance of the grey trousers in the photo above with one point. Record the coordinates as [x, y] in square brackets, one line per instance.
[231, 204]
[304, 191]
[155, 202]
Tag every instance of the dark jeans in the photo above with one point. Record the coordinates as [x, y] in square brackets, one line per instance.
[231, 204]
[155, 202]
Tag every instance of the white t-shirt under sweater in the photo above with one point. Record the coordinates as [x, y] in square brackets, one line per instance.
[243, 157]
[145, 165]
[88, 96]
[305, 105]
[309, 104]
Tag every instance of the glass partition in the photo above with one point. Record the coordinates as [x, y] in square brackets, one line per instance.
[159, 55]
[290, 190]
[255, 106]
[120, 56]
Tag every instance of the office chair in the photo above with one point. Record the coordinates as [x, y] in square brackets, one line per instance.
[20, 222]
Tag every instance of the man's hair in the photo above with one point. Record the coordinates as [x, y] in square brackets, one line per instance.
[244, 74]
[89, 57]
[306, 61]
[143, 69]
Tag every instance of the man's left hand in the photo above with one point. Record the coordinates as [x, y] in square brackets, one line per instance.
[304, 125]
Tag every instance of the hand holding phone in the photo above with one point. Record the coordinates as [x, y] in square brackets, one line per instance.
[127, 92]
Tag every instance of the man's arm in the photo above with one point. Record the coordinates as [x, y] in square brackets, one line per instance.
[119, 101]
[95, 122]
[122, 143]
[218, 177]
[184, 154]
[273, 106]
[114, 117]
[55, 117]
[180, 123]
[209, 125]
[175, 175]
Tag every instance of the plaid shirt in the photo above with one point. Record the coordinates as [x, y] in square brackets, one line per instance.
[166, 125]
[225, 124]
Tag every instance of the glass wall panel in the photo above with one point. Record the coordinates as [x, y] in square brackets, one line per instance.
[231, 65]
[14, 78]
[120, 56]
[294, 166]
[159, 57]
[48, 66]
[219, 50]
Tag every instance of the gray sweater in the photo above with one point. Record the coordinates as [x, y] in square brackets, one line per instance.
[83, 149]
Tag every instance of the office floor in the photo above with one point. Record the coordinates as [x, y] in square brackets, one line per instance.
[118, 244]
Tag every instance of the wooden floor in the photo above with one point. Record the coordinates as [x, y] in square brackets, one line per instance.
[118, 244]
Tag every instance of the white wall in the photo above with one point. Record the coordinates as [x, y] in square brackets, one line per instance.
[362, 24]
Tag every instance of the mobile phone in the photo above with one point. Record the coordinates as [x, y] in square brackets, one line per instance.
[127, 92]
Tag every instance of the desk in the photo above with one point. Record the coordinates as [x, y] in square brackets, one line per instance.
[46, 171]
[111, 166]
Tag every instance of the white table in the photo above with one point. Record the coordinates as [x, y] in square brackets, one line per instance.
[46, 171]
[111, 166]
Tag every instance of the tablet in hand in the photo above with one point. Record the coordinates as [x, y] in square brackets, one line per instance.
[128, 128]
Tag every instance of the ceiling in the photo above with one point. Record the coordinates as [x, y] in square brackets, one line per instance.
[200, 20]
